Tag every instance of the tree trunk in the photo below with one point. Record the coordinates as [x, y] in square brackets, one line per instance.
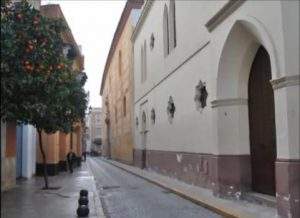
[71, 140]
[44, 159]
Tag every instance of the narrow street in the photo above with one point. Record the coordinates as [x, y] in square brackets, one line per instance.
[150, 109]
[124, 195]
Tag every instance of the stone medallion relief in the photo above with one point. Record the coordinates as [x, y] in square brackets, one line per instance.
[152, 40]
[171, 109]
[153, 116]
[137, 122]
[200, 96]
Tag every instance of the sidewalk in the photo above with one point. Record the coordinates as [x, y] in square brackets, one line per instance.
[27, 200]
[204, 197]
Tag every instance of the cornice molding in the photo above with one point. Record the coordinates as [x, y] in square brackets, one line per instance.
[223, 13]
[129, 6]
[229, 102]
[285, 81]
[145, 10]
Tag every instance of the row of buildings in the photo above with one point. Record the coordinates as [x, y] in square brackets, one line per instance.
[20, 154]
[207, 92]
[93, 133]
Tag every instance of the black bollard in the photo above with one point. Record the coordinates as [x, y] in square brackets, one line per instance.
[83, 200]
[83, 211]
[84, 192]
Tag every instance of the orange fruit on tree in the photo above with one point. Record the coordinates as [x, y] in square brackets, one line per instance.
[19, 16]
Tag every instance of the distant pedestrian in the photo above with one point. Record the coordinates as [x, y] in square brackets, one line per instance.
[84, 155]
[70, 158]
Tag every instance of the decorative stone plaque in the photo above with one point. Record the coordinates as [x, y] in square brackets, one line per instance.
[200, 96]
[171, 109]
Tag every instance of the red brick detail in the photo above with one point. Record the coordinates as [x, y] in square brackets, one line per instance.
[288, 188]
[11, 139]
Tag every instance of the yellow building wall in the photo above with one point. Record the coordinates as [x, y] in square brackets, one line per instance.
[64, 145]
[58, 145]
[77, 145]
[119, 83]
[51, 148]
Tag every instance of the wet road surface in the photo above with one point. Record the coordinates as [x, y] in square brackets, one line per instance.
[124, 195]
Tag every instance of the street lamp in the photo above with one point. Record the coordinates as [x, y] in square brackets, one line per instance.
[66, 49]
[81, 77]
[107, 121]
[69, 51]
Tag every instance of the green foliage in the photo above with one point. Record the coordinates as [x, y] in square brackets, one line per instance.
[38, 85]
[4, 2]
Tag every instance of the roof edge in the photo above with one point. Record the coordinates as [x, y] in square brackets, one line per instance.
[130, 4]
[68, 32]
[142, 18]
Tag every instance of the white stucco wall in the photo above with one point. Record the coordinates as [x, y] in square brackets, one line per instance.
[29, 151]
[177, 75]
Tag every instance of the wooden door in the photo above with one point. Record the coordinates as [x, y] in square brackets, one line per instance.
[262, 124]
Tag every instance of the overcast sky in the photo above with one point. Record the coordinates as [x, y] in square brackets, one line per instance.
[93, 24]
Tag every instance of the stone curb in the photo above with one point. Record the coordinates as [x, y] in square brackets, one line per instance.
[214, 205]
[96, 197]
[177, 192]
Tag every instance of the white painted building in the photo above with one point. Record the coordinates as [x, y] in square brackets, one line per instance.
[200, 115]
[94, 128]
[87, 134]
[26, 151]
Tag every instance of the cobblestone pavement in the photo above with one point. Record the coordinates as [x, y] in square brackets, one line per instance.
[124, 195]
[27, 200]
[250, 206]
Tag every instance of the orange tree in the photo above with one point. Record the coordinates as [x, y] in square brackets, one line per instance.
[38, 85]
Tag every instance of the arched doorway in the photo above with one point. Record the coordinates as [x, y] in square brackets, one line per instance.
[144, 139]
[262, 124]
[240, 55]
[242, 101]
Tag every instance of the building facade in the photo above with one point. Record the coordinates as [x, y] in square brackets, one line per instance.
[87, 134]
[25, 151]
[94, 122]
[8, 155]
[216, 96]
[117, 88]
[11, 159]
[58, 145]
